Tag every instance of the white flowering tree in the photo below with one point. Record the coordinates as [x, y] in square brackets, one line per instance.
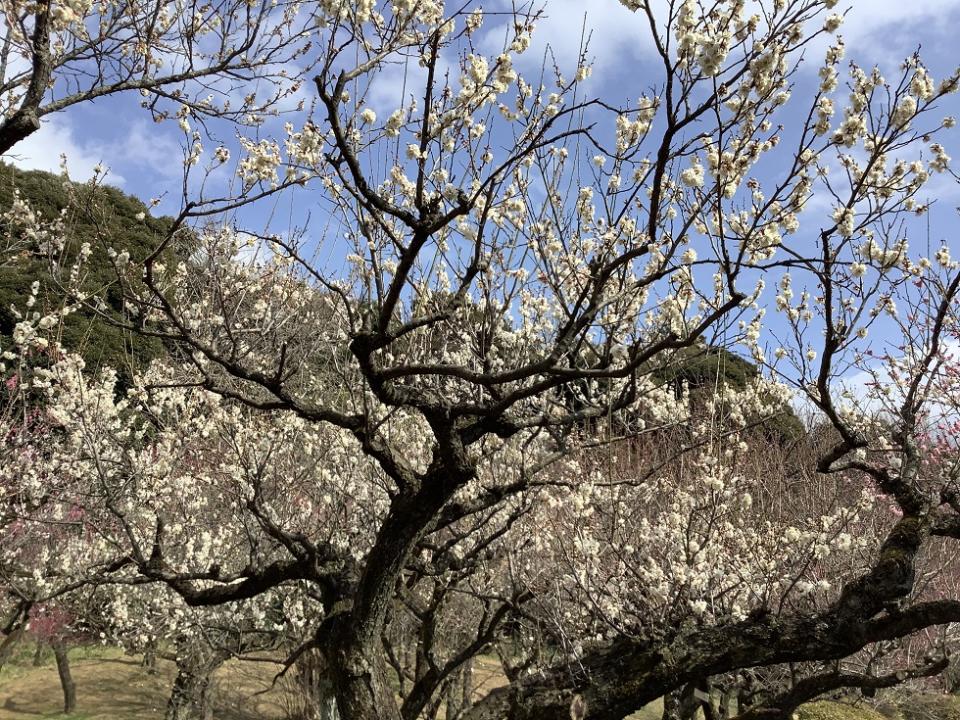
[63, 563]
[473, 437]
[187, 61]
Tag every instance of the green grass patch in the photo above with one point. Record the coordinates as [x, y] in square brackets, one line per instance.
[836, 711]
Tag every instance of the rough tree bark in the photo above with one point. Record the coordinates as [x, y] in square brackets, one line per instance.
[66, 679]
[9, 643]
[360, 684]
[13, 631]
[680, 704]
[315, 689]
[327, 705]
[353, 640]
[26, 119]
[38, 654]
[149, 662]
[190, 696]
[459, 694]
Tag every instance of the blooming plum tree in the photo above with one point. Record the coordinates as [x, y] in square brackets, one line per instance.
[188, 62]
[429, 443]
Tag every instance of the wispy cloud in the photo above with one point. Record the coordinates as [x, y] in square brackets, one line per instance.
[145, 147]
[42, 151]
[884, 32]
[614, 37]
[865, 19]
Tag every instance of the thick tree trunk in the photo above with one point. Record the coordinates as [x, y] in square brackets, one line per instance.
[727, 710]
[951, 678]
[38, 654]
[454, 702]
[361, 686]
[190, 696]
[188, 699]
[66, 679]
[680, 704]
[327, 704]
[149, 662]
[353, 645]
[710, 710]
[9, 644]
[459, 694]
[316, 697]
[671, 706]
[364, 696]
[467, 686]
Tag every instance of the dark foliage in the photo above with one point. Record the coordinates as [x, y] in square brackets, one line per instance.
[107, 219]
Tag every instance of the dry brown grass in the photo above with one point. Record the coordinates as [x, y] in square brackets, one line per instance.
[115, 687]
[111, 686]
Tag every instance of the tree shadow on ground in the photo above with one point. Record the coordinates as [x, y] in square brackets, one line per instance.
[118, 688]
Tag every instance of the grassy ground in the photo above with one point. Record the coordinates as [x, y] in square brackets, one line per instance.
[112, 686]
[836, 711]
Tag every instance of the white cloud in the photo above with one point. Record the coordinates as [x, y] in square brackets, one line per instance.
[866, 18]
[884, 32]
[866, 387]
[149, 146]
[42, 150]
[614, 35]
[876, 28]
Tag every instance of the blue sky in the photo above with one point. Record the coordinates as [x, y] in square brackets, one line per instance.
[143, 156]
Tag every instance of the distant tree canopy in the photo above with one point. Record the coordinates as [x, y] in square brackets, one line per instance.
[107, 219]
[712, 367]
[700, 370]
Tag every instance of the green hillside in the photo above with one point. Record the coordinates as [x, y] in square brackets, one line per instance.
[102, 216]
